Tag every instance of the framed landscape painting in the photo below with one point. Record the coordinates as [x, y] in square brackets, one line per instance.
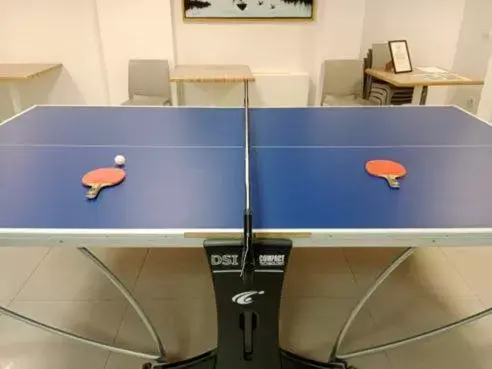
[248, 9]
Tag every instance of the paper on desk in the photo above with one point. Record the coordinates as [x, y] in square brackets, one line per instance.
[432, 70]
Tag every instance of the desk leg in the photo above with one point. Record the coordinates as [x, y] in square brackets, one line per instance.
[175, 94]
[181, 93]
[423, 96]
[246, 95]
[14, 97]
[420, 95]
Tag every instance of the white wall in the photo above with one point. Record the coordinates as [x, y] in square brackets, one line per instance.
[93, 39]
[132, 29]
[431, 28]
[473, 51]
[278, 47]
[54, 31]
[485, 107]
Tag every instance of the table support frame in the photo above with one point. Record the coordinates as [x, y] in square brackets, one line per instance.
[278, 357]
[160, 357]
[336, 355]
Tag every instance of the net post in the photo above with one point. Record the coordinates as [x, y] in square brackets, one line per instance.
[248, 257]
[247, 145]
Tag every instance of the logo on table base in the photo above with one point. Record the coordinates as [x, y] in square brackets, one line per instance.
[272, 260]
[226, 260]
[246, 298]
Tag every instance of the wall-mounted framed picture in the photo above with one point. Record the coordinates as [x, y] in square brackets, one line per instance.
[248, 9]
[400, 56]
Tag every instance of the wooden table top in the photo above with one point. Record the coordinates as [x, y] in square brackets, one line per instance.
[211, 73]
[24, 71]
[429, 76]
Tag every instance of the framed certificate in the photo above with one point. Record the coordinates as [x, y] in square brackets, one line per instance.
[400, 56]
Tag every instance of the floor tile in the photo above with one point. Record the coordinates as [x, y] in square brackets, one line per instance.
[425, 273]
[448, 352]
[175, 274]
[298, 285]
[317, 272]
[469, 255]
[66, 275]
[473, 264]
[318, 260]
[477, 334]
[433, 287]
[117, 361]
[404, 317]
[309, 327]
[371, 260]
[438, 275]
[25, 347]
[186, 327]
[16, 266]
[367, 264]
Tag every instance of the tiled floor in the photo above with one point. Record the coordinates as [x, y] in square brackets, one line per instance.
[59, 286]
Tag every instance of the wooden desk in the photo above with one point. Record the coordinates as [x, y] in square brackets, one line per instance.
[18, 72]
[210, 74]
[421, 78]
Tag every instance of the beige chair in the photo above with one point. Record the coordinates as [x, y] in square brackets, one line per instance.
[148, 82]
[342, 83]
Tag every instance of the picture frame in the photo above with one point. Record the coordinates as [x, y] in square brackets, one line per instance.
[248, 10]
[400, 56]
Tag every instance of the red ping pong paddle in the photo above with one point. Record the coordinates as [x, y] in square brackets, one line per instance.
[387, 169]
[98, 179]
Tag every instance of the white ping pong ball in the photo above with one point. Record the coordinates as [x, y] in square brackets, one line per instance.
[119, 160]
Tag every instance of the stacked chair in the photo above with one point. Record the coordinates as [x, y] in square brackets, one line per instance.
[379, 92]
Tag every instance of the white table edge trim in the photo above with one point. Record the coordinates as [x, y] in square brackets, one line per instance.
[240, 107]
[17, 115]
[411, 237]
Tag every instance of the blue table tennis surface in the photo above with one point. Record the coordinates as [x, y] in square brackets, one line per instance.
[185, 168]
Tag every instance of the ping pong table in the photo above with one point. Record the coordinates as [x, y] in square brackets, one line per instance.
[184, 187]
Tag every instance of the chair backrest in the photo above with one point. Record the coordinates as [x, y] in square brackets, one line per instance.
[381, 56]
[342, 77]
[149, 77]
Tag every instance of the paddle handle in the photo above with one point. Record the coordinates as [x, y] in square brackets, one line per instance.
[392, 181]
[94, 191]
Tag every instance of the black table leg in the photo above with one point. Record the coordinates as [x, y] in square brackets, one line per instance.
[248, 311]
